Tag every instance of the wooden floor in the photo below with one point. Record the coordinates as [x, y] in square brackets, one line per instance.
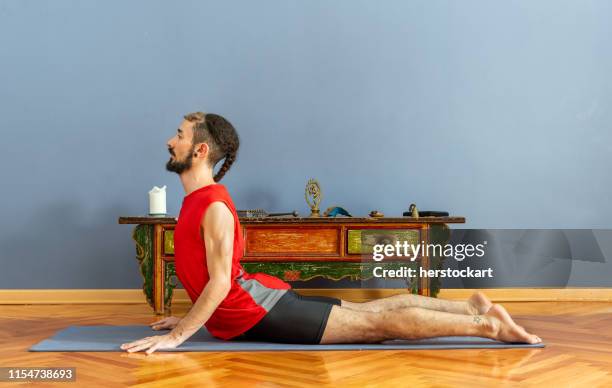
[578, 353]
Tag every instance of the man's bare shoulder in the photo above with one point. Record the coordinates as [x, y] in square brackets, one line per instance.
[217, 217]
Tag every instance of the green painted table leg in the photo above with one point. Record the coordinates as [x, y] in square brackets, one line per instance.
[170, 282]
[143, 236]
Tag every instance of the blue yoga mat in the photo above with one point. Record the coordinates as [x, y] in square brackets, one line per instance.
[109, 338]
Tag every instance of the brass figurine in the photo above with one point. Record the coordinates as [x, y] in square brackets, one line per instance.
[413, 210]
[313, 197]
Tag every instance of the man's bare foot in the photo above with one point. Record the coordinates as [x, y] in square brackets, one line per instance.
[505, 329]
[479, 304]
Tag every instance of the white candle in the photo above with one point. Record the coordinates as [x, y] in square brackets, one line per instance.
[157, 201]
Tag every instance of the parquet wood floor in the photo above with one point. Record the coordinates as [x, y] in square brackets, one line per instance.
[578, 354]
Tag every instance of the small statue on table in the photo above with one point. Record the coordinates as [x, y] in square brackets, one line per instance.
[313, 197]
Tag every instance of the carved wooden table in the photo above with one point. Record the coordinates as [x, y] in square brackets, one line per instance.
[294, 249]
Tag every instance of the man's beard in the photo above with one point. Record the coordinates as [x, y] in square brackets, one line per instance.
[179, 166]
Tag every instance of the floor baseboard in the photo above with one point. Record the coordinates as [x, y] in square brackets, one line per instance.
[127, 296]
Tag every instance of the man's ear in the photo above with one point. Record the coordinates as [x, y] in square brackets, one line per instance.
[201, 150]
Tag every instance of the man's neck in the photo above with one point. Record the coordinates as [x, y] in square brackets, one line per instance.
[194, 179]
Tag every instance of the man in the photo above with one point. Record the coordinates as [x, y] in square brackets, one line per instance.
[234, 304]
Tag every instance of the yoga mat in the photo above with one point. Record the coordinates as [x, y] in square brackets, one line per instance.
[109, 338]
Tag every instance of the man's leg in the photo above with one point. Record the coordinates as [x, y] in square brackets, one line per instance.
[475, 305]
[345, 325]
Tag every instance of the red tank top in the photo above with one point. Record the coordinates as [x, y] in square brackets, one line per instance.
[250, 297]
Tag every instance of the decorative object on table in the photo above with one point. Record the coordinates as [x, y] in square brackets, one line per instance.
[157, 201]
[376, 214]
[427, 213]
[413, 211]
[260, 213]
[333, 211]
[313, 196]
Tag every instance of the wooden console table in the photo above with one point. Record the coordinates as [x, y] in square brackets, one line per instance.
[293, 249]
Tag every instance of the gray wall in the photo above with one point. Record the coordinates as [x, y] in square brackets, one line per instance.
[499, 111]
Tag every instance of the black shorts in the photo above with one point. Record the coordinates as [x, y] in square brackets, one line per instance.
[294, 319]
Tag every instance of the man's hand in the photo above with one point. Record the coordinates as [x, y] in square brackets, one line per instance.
[166, 323]
[151, 344]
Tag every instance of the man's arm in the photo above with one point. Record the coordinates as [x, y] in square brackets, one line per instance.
[218, 225]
